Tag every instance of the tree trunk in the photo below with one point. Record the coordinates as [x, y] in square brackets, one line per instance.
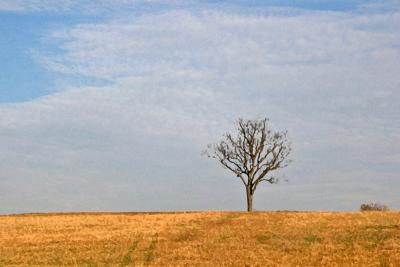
[249, 195]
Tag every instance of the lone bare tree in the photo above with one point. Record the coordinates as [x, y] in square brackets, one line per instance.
[252, 153]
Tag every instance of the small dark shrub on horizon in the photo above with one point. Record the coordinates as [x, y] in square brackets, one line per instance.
[373, 207]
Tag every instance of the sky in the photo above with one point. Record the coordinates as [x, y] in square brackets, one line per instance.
[107, 105]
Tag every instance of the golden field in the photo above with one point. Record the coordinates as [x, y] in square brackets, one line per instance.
[201, 239]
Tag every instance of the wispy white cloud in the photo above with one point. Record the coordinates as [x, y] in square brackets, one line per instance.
[342, 60]
[84, 6]
[35, 5]
[178, 79]
[110, 6]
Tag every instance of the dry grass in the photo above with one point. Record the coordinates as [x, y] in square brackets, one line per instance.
[201, 239]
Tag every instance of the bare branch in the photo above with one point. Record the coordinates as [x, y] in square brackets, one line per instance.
[252, 153]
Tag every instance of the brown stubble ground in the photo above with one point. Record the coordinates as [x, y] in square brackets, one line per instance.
[201, 239]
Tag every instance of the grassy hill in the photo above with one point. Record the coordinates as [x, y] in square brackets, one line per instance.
[201, 239]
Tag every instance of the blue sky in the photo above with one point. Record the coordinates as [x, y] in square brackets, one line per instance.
[106, 105]
[19, 35]
[24, 28]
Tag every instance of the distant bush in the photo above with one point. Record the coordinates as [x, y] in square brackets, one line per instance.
[374, 207]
